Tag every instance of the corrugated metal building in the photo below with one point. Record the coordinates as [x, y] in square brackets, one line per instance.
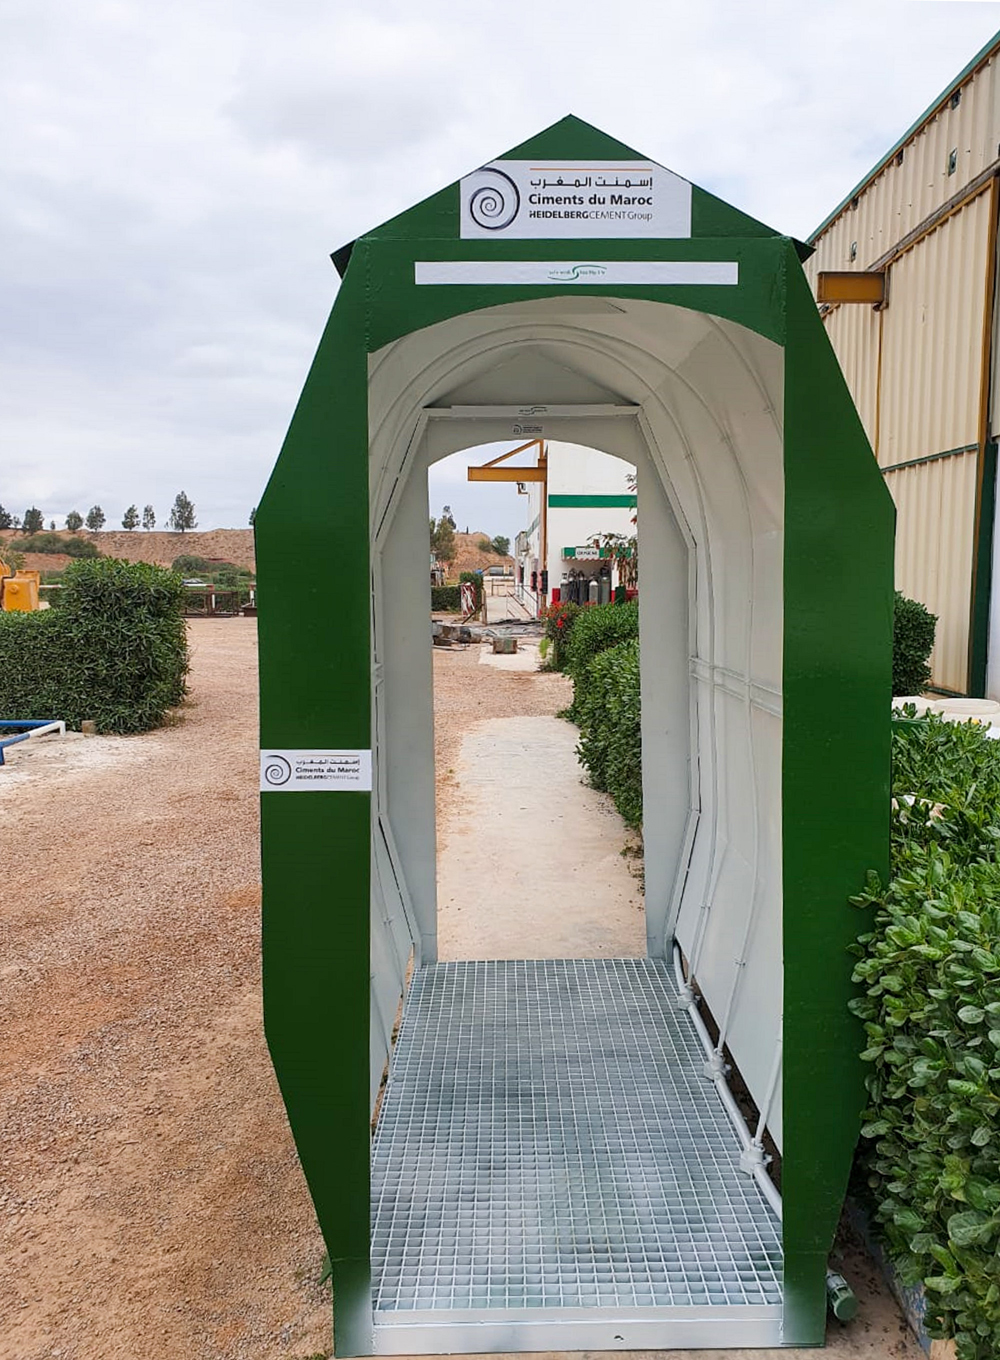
[921, 361]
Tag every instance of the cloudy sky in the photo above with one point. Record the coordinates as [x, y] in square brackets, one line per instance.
[175, 177]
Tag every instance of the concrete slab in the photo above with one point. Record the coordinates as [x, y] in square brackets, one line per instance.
[524, 659]
[529, 857]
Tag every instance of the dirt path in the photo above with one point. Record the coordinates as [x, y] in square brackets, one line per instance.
[150, 1198]
[151, 1203]
[533, 867]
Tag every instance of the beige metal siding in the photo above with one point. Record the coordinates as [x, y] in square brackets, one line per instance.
[903, 195]
[854, 334]
[927, 402]
[932, 340]
[915, 368]
[934, 544]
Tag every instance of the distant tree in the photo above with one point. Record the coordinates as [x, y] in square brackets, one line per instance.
[182, 515]
[95, 518]
[33, 521]
[74, 521]
[484, 545]
[52, 524]
[148, 518]
[253, 517]
[6, 519]
[501, 545]
[443, 544]
[447, 516]
[130, 519]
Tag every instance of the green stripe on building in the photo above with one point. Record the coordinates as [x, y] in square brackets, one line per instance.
[589, 502]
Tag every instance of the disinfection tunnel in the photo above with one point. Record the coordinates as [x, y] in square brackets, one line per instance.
[558, 1162]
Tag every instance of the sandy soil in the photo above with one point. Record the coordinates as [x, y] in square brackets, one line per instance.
[151, 1203]
[158, 546]
[150, 1198]
[469, 558]
[227, 545]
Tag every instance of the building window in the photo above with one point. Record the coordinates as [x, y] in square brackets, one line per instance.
[953, 161]
[852, 254]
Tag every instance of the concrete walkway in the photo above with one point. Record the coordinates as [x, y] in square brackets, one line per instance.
[529, 857]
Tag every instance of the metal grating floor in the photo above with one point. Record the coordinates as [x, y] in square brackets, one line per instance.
[547, 1141]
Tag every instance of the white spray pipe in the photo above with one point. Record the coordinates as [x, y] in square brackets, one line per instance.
[772, 1086]
[752, 1156]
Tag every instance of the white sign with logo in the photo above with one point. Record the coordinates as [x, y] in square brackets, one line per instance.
[282, 771]
[660, 273]
[546, 200]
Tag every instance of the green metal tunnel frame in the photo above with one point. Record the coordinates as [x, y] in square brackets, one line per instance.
[315, 685]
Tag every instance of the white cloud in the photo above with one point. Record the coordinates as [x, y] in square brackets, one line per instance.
[175, 179]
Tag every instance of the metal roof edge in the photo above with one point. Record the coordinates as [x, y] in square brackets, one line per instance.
[978, 60]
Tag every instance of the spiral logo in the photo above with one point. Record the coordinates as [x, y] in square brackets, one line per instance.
[494, 201]
[277, 770]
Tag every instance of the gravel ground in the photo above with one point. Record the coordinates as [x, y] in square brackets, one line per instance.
[151, 1203]
[150, 1198]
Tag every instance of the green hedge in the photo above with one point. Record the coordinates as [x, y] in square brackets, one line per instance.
[596, 628]
[50, 542]
[446, 600]
[913, 629]
[607, 711]
[930, 970]
[115, 651]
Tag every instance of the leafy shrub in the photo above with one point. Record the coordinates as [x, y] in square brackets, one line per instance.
[55, 543]
[446, 600]
[913, 629]
[114, 651]
[188, 564]
[607, 710]
[930, 969]
[559, 620]
[484, 545]
[596, 628]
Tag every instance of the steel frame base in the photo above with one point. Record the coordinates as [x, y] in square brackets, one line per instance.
[552, 1171]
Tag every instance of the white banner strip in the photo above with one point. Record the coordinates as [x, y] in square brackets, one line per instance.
[289, 771]
[570, 272]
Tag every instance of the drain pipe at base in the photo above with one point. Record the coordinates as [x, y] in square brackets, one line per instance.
[753, 1158]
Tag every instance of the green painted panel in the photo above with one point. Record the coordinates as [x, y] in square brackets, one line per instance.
[315, 693]
[589, 502]
[982, 588]
[572, 139]
[400, 306]
[835, 782]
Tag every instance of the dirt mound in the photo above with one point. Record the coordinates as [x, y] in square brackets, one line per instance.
[46, 561]
[158, 546]
[469, 558]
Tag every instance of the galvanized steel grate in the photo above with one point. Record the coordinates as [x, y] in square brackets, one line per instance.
[547, 1141]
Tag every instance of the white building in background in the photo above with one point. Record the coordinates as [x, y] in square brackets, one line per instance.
[587, 494]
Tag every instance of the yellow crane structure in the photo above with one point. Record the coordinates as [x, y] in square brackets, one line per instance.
[18, 589]
[492, 472]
